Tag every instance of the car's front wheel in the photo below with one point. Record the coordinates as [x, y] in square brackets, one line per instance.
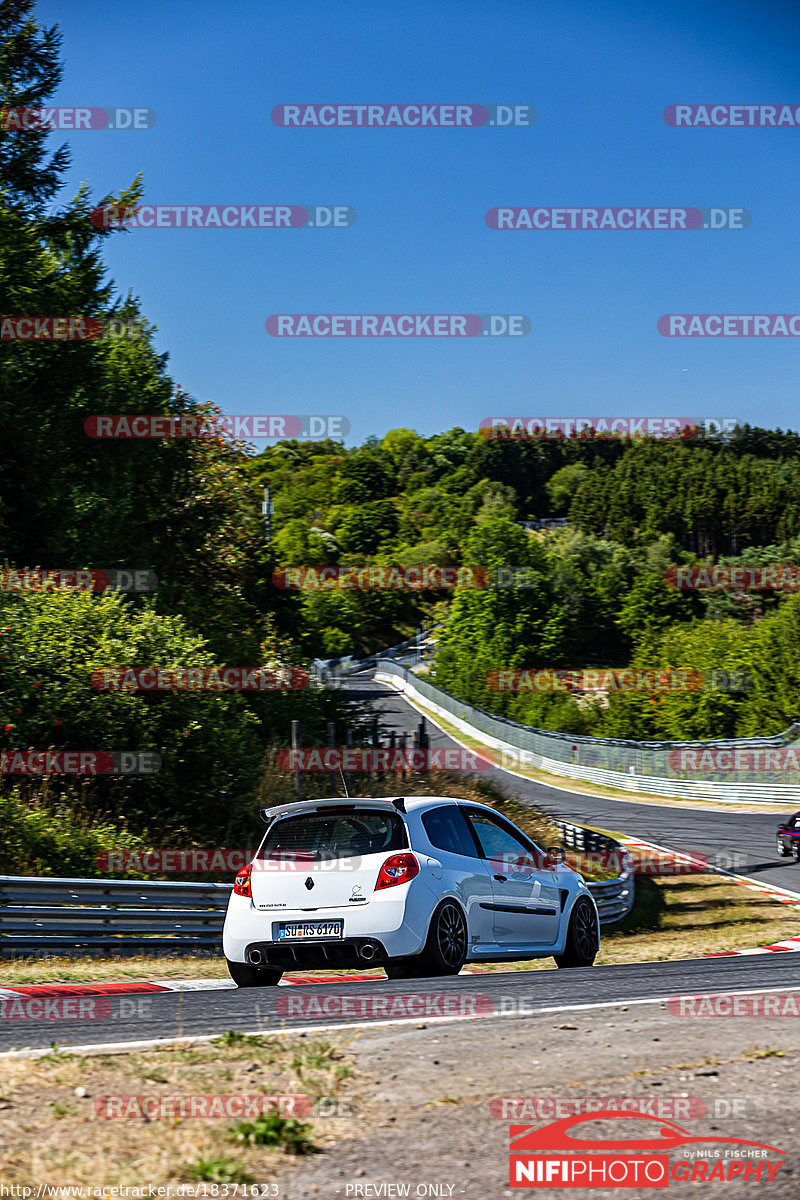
[582, 938]
[244, 975]
[796, 850]
[781, 847]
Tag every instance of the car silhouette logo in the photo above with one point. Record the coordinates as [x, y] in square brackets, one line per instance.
[557, 1136]
[309, 883]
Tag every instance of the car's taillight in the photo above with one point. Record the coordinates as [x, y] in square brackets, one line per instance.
[397, 869]
[241, 884]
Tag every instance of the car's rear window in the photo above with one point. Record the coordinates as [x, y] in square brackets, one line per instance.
[343, 833]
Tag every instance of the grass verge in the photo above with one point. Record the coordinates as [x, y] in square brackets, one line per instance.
[50, 1131]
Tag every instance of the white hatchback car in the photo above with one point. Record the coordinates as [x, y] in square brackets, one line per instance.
[418, 886]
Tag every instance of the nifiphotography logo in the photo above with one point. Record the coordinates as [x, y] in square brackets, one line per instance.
[552, 1155]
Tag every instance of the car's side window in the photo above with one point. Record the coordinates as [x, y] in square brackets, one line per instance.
[496, 839]
[447, 830]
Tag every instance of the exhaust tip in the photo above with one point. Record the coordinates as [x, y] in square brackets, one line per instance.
[368, 951]
[255, 957]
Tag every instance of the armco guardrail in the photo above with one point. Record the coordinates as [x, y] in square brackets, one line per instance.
[327, 670]
[614, 897]
[612, 762]
[41, 917]
[52, 916]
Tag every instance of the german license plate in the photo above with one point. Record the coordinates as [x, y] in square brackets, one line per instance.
[309, 931]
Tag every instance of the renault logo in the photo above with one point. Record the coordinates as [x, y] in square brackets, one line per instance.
[309, 883]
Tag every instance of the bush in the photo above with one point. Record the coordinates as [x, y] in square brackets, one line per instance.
[50, 643]
[41, 839]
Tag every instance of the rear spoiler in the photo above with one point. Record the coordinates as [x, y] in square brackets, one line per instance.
[398, 803]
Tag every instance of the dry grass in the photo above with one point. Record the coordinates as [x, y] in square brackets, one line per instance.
[696, 915]
[50, 1135]
[139, 967]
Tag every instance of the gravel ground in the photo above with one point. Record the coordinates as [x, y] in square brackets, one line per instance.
[426, 1121]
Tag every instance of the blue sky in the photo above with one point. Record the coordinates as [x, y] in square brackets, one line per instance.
[599, 75]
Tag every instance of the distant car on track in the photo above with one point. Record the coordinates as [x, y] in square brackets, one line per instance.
[418, 886]
[788, 837]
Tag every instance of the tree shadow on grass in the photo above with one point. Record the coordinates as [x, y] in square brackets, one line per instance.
[653, 908]
[649, 908]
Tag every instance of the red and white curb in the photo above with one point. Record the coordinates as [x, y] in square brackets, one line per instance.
[780, 895]
[52, 990]
[136, 988]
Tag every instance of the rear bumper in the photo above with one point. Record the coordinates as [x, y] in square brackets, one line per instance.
[390, 923]
[344, 952]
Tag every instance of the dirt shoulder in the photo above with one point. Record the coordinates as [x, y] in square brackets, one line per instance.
[413, 1106]
[427, 1114]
